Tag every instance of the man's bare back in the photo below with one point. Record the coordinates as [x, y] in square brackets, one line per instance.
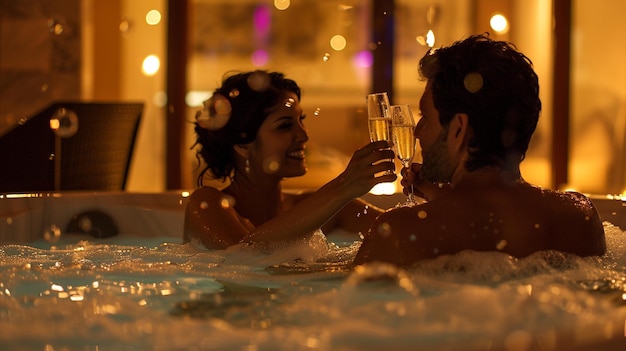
[484, 213]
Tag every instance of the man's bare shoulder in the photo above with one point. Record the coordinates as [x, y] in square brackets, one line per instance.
[561, 203]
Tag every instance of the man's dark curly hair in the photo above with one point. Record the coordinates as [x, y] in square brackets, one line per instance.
[496, 86]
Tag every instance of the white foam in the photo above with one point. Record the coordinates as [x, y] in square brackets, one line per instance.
[164, 295]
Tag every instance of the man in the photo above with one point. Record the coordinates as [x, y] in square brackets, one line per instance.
[479, 110]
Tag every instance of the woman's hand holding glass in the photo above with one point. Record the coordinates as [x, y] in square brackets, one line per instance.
[379, 117]
[369, 165]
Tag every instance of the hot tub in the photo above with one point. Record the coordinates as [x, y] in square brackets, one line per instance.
[131, 284]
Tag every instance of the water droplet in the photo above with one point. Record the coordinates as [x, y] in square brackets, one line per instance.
[422, 214]
[227, 201]
[473, 82]
[204, 205]
[412, 237]
[500, 245]
[52, 234]
[233, 93]
[55, 26]
[384, 229]
[64, 123]
[259, 81]
[215, 113]
[317, 112]
[537, 226]
[85, 224]
[125, 25]
[271, 165]
[326, 57]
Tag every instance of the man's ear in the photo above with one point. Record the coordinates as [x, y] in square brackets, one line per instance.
[458, 131]
[242, 150]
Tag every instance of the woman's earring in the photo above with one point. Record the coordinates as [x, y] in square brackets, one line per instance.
[247, 168]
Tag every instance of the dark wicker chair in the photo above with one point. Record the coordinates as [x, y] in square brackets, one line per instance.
[94, 156]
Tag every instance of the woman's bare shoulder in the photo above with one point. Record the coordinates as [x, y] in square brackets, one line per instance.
[207, 194]
[205, 190]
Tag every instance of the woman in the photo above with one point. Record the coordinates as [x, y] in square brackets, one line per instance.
[251, 132]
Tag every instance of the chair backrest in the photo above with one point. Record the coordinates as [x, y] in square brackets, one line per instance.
[91, 150]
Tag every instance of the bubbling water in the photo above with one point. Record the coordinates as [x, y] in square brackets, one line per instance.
[157, 294]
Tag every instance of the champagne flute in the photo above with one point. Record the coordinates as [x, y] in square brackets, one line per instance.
[379, 118]
[404, 141]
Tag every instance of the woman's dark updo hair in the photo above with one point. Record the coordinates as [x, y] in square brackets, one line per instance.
[251, 96]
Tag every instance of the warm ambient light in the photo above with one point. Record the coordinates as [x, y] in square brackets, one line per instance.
[338, 42]
[282, 4]
[430, 39]
[499, 23]
[384, 189]
[151, 65]
[153, 17]
[194, 98]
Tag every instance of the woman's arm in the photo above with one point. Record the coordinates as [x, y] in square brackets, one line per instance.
[356, 217]
[211, 219]
[365, 169]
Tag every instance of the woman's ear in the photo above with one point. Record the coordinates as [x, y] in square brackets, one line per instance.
[242, 150]
[458, 131]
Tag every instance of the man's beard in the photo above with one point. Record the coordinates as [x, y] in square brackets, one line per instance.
[437, 166]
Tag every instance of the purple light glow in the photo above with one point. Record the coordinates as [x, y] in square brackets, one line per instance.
[363, 59]
[262, 19]
[260, 58]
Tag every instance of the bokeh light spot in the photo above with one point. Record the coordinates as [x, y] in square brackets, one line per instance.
[282, 4]
[500, 245]
[338, 42]
[153, 17]
[384, 229]
[271, 165]
[499, 23]
[150, 65]
[259, 81]
[363, 59]
[260, 58]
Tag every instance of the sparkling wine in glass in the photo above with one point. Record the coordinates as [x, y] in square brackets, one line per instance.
[404, 141]
[379, 116]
